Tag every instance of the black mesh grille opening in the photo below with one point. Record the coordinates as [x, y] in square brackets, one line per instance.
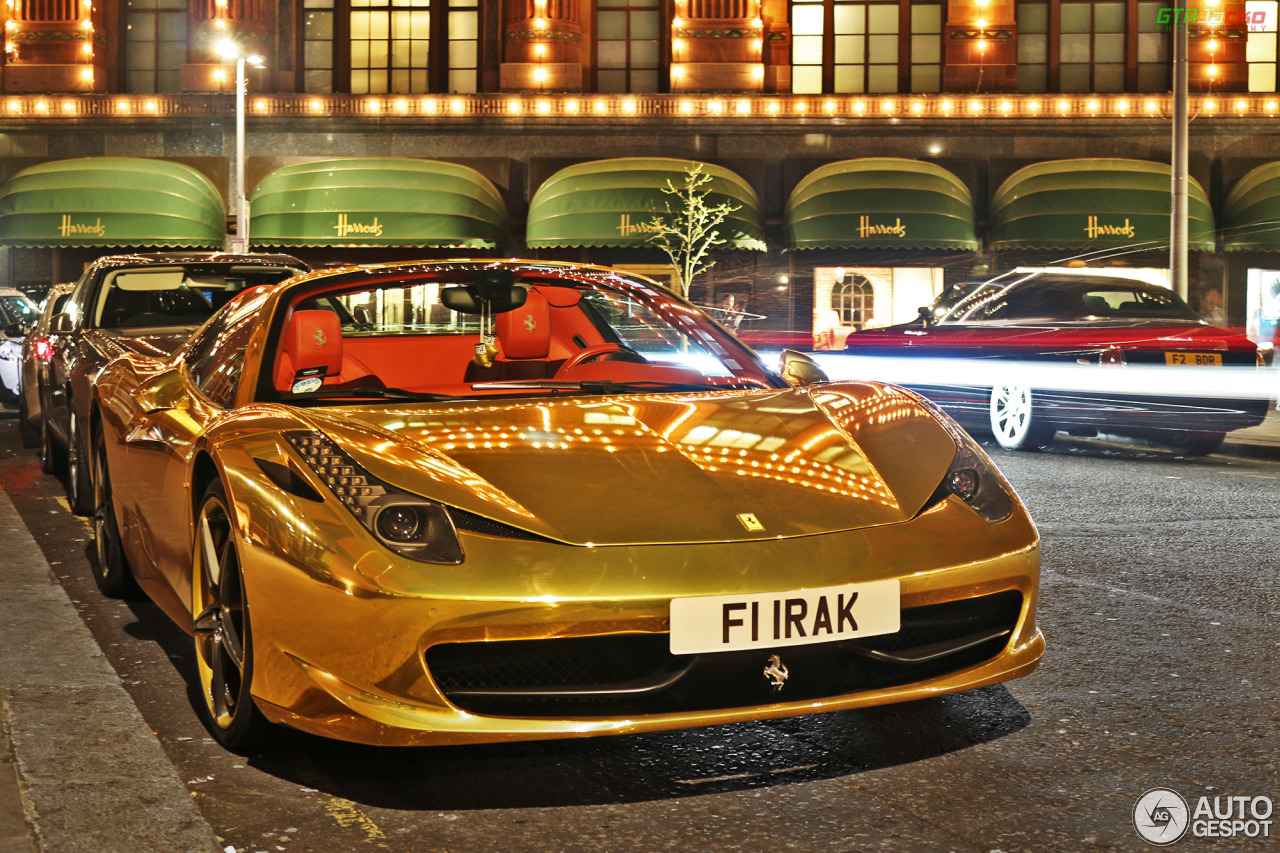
[636, 674]
[473, 523]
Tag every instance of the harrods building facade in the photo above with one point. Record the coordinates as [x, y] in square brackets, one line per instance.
[874, 150]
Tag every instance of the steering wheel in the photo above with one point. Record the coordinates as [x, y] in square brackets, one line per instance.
[598, 351]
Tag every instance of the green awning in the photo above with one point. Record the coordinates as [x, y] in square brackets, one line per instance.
[111, 201]
[1251, 214]
[1091, 204]
[377, 201]
[614, 203]
[880, 203]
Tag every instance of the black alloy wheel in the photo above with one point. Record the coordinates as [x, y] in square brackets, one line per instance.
[79, 485]
[112, 572]
[53, 459]
[30, 435]
[223, 636]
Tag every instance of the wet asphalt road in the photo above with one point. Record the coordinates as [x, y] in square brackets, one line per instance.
[1160, 601]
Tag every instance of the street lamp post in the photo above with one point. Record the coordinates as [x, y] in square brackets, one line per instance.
[231, 50]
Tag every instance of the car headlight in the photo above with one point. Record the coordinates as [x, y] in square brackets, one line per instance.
[972, 477]
[408, 524]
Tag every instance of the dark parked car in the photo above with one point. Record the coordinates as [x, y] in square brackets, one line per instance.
[1087, 351]
[145, 304]
[34, 368]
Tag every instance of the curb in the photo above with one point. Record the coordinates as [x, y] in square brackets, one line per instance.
[80, 769]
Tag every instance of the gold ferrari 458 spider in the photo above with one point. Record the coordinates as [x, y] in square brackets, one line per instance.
[469, 501]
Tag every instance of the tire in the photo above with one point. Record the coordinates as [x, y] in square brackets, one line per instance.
[30, 435]
[53, 459]
[1198, 443]
[1013, 420]
[223, 634]
[79, 482]
[112, 571]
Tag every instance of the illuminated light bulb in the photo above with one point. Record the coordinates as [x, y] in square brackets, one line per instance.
[1210, 105]
[946, 107]
[716, 105]
[757, 23]
[220, 23]
[373, 105]
[1006, 107]
[1241, 106]
[982, 44]
[743, 107]
[69, 106]
[540, 75]
[1063, 106]
[1094, 106]
[1122, 106]
[859, 107]
[42, 107]
[457, 105]
[1213, 71]
[87, 75]
[540, 50]
[801, 106]
[1033, 106]
[122, 106]
[917, 107]
[756, 44]
[889, 107]
[1152, 106]
[151, 106]
[982, 23]
[539, 23]
[88, 48]
[402, 106]
[758, 71]
[677, 22]
[220, 76]
[86, 24]
[1271, 106]
[975, 106]
[1213, 44]
[677, 71]
[630, 105]
[544, 107]
[571, 106]
[10, 25]
[514, 106]
[829, 106]
[16, 107]
[316, 105]
[260, 106]
[773, 107]
[602, 106]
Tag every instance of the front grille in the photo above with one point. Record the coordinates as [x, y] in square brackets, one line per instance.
[636, 673]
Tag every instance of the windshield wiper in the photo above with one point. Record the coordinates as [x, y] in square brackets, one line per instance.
[399, 394]
[594, 386]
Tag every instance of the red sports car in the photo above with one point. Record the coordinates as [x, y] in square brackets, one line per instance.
[1086, 351]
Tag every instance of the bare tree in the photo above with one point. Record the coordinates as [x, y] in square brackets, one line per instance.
[690, 228]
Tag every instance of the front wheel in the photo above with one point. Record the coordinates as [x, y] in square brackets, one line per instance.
[112, 574]
[1013, 420]
[223, 634]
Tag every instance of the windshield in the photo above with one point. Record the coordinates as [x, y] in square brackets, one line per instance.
[17, 309]
[547, 331]
[1067, 298]
[175, 295]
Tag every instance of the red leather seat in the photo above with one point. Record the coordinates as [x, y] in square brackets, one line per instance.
[312, 348]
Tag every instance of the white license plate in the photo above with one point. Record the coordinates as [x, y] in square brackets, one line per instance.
[726, 623]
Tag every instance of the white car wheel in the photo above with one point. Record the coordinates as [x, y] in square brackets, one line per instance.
[1013, 419]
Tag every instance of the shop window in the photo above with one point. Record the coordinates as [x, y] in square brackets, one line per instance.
[317, 46]
[155, 45]
[1260, 49]
[1033, 47]
[926, 47]
[852, 47]
[853, 300]
[628, 46]
[1153, 49]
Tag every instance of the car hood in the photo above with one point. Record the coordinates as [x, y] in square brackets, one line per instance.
[672, 468]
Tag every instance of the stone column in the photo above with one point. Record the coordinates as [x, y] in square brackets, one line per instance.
[54, 46]
[542, 50]
[981, 46]
[717, 45]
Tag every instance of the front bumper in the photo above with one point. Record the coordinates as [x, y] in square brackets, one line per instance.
[345, 643]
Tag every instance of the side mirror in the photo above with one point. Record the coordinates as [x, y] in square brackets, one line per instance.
[61, 323]
[926, 315]
[163, 391]
[798, 369]
[15, 330]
